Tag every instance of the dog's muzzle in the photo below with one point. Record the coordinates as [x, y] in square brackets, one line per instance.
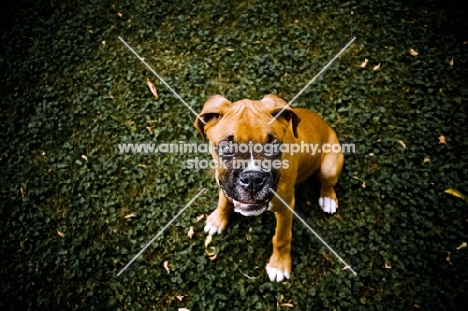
[251, 192]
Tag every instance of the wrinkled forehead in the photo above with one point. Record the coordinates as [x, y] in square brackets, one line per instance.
[245, 121]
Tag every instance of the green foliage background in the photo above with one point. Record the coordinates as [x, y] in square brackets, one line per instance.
[70, 88]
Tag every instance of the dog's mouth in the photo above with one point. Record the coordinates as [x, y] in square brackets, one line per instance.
[250, 207]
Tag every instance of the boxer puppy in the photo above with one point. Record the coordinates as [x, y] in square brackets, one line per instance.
[254, 155]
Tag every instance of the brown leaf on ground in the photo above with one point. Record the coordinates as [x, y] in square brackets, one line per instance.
[166, 266]
[152, 88]
[413, 52]
[442, 139]
[448, 258]
[388, 264]
[457, 194]
[402, 143]
[190, 232]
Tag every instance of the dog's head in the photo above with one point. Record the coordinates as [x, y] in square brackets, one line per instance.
[247, 147]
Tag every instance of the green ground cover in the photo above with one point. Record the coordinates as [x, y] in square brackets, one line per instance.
[75, 211]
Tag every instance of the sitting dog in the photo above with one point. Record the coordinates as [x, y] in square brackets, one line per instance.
[254, 155]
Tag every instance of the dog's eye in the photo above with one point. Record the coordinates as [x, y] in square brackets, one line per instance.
[276, 147]
[225, 149]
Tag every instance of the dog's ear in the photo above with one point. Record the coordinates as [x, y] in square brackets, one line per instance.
[276, 106]
[211, 112]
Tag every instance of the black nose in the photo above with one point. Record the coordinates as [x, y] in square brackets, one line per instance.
[254, 180]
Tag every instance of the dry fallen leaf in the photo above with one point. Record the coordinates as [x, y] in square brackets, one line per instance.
[463, 245]
[456, 193]
[363, 182]
[200, 217]
[130, 215]
[247, 276]
[190, 232]
[208, 240]
[183, 309]
[180, 298]
[284, 304]
[448, 258]
[60, 233]
[119, 14]
[388, 265]
[451, 62]
[402, 143]
[426, 160]
[376, 67]
[364, 63]
[413, 52]
[442, 139]
[141, 165]
[211, 252]
[103, 42]
[229, 49]
[22, 192]
[84, 157]
[152, 88]
[166, 266]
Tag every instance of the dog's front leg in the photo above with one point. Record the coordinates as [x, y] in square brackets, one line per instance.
[218, 220]
[279, 266]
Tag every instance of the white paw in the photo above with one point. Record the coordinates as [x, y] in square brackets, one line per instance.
[328, 205]
[212, 230]
[276, 275]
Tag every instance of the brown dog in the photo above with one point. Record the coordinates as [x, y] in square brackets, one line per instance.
[254, 156]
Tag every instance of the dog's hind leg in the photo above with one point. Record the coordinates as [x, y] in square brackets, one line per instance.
[328, 174]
